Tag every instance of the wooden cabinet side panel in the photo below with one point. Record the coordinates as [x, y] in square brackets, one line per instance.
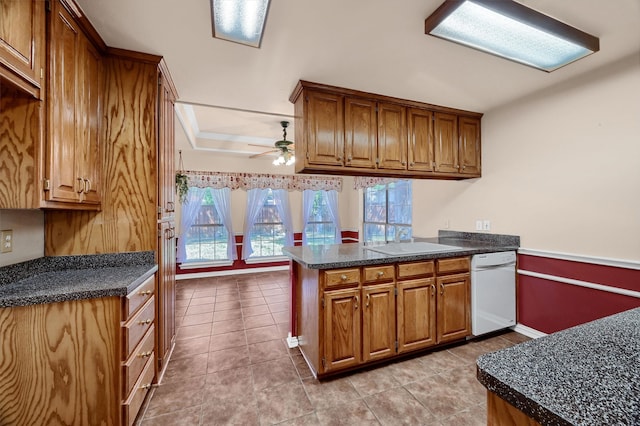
[127, 221]
[60, 363]
[420, 140]
[392, 136]
[453, 306]
[378, 321]
[360, 132]
[500, 412]
[446, 142]
[309, 324]
[166, 294]
[20, 137]
[416, 314]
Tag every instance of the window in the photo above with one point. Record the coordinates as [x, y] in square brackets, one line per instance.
[207, 233]
[321, 221]
[387, 211]
[268, 223]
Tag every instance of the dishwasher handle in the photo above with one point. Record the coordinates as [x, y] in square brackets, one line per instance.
[488, 267]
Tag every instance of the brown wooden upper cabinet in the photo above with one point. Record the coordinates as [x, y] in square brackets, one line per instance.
[348, 132]
[73, 177]
[22, 44]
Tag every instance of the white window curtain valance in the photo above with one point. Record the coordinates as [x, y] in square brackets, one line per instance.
[361, 182]
[248, 181]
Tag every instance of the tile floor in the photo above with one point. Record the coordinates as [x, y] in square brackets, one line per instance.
[231, 365]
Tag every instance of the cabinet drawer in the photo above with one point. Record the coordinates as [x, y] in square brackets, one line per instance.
[137, 326]
[137, 297]
[450, 266]
[416, 269]
[133, 403]
[340, 277]
[378, 274]
[136, 362]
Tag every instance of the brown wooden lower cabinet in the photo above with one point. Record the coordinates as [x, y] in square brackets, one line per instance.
[502, 413]
[346, 318]
[79, 362]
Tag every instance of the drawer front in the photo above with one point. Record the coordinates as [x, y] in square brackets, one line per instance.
[454, 265]
[378, 274]
[132, 404]
[136, 362]
[137, 326]
[339, 277]
[416, 269]
[138, 297]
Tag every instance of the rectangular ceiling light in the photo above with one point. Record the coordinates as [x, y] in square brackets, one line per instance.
[240, 21]
[510, 30]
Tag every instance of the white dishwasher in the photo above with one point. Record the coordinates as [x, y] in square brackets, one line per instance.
[493, 291]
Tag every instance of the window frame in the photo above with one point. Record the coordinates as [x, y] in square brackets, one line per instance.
[387, 226]
[254, 258]
[318, 194]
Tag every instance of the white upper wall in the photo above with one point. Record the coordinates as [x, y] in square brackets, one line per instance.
[560, 168]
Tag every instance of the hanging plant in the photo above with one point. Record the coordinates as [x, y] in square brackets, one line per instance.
[182, 186]
[182, 182]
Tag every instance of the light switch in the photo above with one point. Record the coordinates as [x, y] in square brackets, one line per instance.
[478, 225]
[486, 225]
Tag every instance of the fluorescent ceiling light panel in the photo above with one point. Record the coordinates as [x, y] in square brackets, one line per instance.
[240, 21]
[510, 30]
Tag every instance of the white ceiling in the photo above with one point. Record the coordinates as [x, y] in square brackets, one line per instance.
[375, 46]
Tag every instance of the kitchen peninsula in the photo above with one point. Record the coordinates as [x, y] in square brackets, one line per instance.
[584, 375]
[353, 305]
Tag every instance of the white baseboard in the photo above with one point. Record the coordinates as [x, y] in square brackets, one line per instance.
[528, 331]
[231, 272]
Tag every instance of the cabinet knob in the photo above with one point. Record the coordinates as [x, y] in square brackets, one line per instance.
[145, 354]
[145, 322]
[404, 163]
[349, 158]
[412, 164]
[380, 274]
[147, 386]
[464, 167]
[343, 277]
[145, 293]
[339, 158]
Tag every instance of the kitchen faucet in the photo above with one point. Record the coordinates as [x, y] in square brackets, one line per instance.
[401, 233]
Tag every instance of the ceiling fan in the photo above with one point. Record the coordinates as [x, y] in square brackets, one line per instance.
[284, 149]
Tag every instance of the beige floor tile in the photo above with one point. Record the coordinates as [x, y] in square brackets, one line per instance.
[188, 417]
[253, 301]
[330, 392]
[279, 403]
[240, 411]
[177, 395]
[262, 334]
[197, 319]
[249, 311]
[352, 413]
[227, 359]
[186, 367]
[199, 309]
[229, 340]
[436, 394]
[189, 347]
[226, 326]
[258, 321]
[274, 373]
[227, 315]
[373, 381]
[191, 331]
[265, 351]
[306, 420]
[398, 407]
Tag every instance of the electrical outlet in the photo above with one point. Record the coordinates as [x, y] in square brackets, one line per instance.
[486, 225]
[6, 241]
[478, 225]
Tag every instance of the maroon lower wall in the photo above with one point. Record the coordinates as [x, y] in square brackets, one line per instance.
[548, 306]
[347, 237]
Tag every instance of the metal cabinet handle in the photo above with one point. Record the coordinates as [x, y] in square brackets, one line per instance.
[343, 277]
[380, 274]
[147, 386]
[349, 158]
[87, 186]
[368, 297]
[144, 354]
[356, 304]
[81, 187]
[404, 163]
[433, 290]
[441, 289]
[145, 322]
[145, 293]
[412, 164]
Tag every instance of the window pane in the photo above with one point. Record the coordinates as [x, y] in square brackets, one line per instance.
[375, 204]
[400, 202]
[374, 232]
[207, 239]
[387, 212]
[268, 234]
[320, 228]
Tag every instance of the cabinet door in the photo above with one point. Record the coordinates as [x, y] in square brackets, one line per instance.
[420, 144]
[416, 314]
[166, 293]
[392, 137]
[325, 131]
[360, 132]
[166, 151]
[89, 147]
[469, 129]
[445, 132]
[454, 307]
[22, 43]
[341, 329]
[62, 155]
[378, 321]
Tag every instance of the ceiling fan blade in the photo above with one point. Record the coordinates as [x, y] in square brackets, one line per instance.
[264, 153]
[255, 144]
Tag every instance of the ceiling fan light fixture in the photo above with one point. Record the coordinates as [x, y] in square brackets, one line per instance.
[512, 31]
[239, 21]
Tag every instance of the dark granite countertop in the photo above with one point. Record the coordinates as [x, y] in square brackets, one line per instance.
[61, 278]
[585, 375]
[348, 255]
